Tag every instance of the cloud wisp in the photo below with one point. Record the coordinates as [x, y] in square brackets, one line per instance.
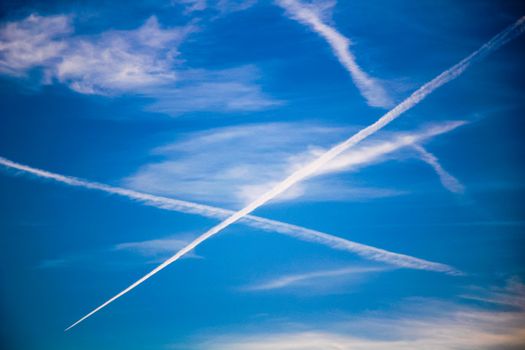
[35, 41]
[413, 324]
[156, 248]
[142, 62]
[226, 90]
[110, 63]
[302, 233]
[500, 39]
[310, 279]
[122, 255]
[309, 15]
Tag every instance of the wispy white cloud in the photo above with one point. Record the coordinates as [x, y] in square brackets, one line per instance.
[227, 90]
[155, 247]
[313, 279]
[35, 41]
[121, 61]
[142, 62]
[417, 324]
[113, 62]
[221, 6]
[210, 166]
[192, 5]
[511, 295]
[307, 170]
[122, 255]
[311, 15]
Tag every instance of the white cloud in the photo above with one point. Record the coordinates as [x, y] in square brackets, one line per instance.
[113, 62]
[313, 280]
[121, 61]
[512, 294]
[234, 164]
[158, 248]
[124, 254]
[142, 62]
[226, 90]
[417, 324]
[192, 5]
[221, 6]
[35, 41]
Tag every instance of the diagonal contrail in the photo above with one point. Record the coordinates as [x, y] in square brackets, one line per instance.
[369, 87]
[305, 234]
[449, 182]
[365, 156]
[416, 97]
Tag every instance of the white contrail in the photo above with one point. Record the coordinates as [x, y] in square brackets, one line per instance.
[416, 97]
[148, 199]
[374, 93]
[295, 231]
[448, 181]
[368, 86]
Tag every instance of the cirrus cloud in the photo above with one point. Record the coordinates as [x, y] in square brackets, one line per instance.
[143, 62]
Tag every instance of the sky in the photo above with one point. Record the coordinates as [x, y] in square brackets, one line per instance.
[129, 129]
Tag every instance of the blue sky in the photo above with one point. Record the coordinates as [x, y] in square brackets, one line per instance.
[110, 111]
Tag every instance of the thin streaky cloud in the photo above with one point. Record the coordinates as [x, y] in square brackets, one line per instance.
[160, 248]
[292, 280]
[449, 182]
[141, 62]
[420, 94]
[369, 87]
[305, 234]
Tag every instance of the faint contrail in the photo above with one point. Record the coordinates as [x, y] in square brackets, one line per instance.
[299, 232]
[363, 156]
[448, 181]
[299, 175]
[368, 86]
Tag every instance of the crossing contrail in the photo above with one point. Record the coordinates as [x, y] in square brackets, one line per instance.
[299, 175]
[305, 234]
[369, 87]
[362, 157]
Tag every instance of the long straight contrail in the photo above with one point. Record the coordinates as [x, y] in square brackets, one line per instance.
[416, 97]
[448, 181]
[365, 156]
[369, 87]
[305, 234]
